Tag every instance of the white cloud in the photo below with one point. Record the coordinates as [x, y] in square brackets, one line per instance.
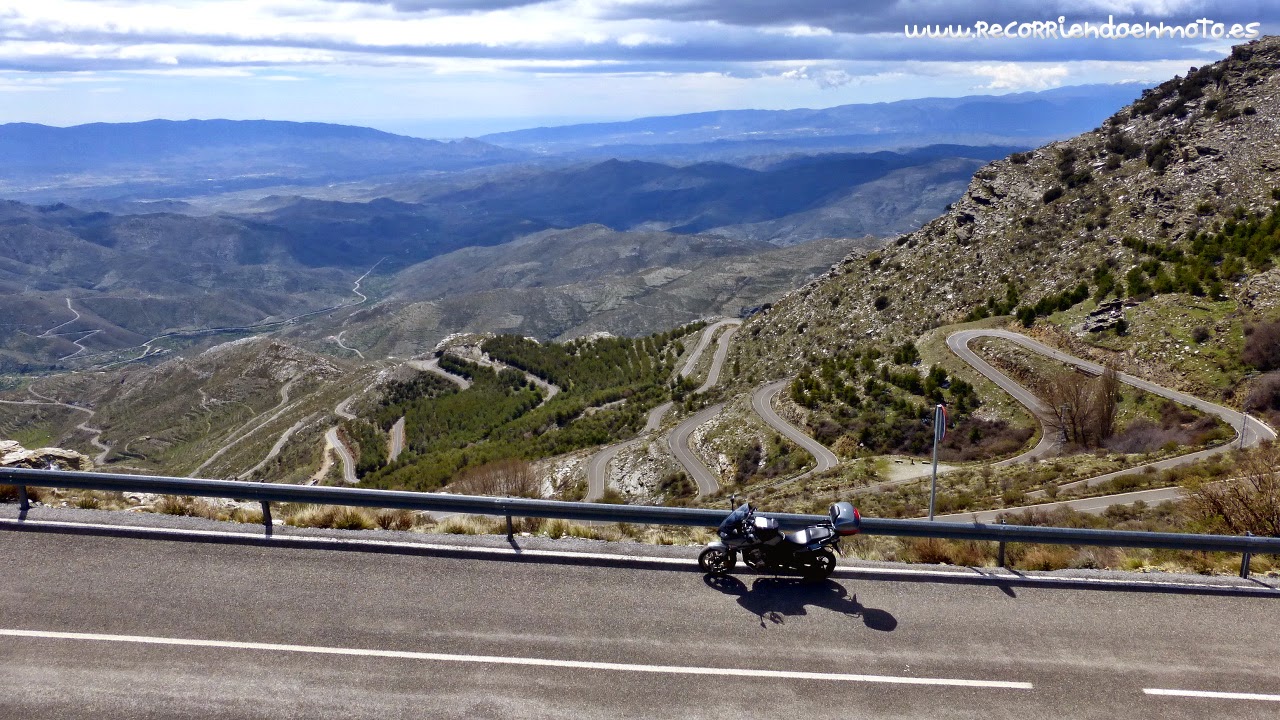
[825, 78]
[637, 39]
[1021, 76]
[805, 31]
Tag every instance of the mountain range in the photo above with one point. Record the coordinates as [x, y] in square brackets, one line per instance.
[1017, 118]
[201, 156]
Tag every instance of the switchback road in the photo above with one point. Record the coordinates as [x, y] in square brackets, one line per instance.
[762, 403]
[598, 467]
[129, 628]
[348, 462]
[678, 441]
[1249, 430]
[432, 365]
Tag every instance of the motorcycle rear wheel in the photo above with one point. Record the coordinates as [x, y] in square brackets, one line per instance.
[717, 561]
[821, 566]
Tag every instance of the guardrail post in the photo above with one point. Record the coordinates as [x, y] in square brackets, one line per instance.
[266, 516]
[1000, 552]
[24, 504]
[511, 531]
[1244, 561]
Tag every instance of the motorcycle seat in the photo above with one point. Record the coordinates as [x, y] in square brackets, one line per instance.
[809, 535]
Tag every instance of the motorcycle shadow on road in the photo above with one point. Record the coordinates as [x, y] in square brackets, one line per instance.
[774, 599]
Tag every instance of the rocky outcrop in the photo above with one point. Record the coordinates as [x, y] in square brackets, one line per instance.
[12, 454]
[1184, 158]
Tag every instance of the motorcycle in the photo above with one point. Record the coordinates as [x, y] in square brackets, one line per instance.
[765, 547]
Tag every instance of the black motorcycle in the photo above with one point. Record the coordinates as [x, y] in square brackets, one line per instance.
[765, 547]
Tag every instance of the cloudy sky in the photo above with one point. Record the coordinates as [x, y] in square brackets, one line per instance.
[465, 67]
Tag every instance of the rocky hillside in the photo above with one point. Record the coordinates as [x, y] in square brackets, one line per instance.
[220, 411]
[1198, 153]
[558, 285]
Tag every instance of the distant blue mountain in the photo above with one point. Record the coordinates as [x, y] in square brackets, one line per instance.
[166, 152]
[978, 119]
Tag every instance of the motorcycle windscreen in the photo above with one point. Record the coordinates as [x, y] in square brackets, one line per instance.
[733, 522]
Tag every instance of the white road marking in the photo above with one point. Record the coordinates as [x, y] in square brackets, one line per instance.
[1211, 694]
[568, 555]
[528, 661]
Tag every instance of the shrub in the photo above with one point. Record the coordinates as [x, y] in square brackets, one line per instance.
[881, 302]
[511, 477]
[1200, 334]
[1262, 345]
[1052, 194]
[678, 485]
[1264, 396]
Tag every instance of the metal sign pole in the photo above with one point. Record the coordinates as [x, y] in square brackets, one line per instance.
[937, 435]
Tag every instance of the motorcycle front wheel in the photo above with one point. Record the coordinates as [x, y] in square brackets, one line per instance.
[821, 565]
[717, 561]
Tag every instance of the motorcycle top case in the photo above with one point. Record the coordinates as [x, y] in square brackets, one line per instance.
[845, 519]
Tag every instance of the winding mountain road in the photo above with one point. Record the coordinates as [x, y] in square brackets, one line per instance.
[95, 435]
[762, 403]
[549, 389]
[395, 445]
[678, 441]
[245, 430]
[717, 360]
[278, 446]
[338, 339]
[253, 328]
[1093, 505]
[1249, 430]
[344, 456]
[433, 366]
[958, 343]
[598, 467]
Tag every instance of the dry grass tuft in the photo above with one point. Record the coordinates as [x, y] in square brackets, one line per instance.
[1043, 557]
[470, 525]
[331, 516]
[396, 519]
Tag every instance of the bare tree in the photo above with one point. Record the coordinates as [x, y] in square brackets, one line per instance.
[503, 478]
[1070, 398]
[1107, 403]
[1250, 503]
[1083, 409]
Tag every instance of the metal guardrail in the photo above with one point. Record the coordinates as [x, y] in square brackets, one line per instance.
[267, 493]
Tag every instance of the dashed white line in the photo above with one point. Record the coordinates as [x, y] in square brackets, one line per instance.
[526, 661]
[1213, 694]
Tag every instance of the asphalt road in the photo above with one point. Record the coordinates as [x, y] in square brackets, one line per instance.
[762, 403]
[140, 628]
[704, 341]
[246, 430]
[678, 441]
[344, 456]
[395, 444]
[598, 467]
[717, 360]
[433, 366]
[959, 344]
[1254, 430]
